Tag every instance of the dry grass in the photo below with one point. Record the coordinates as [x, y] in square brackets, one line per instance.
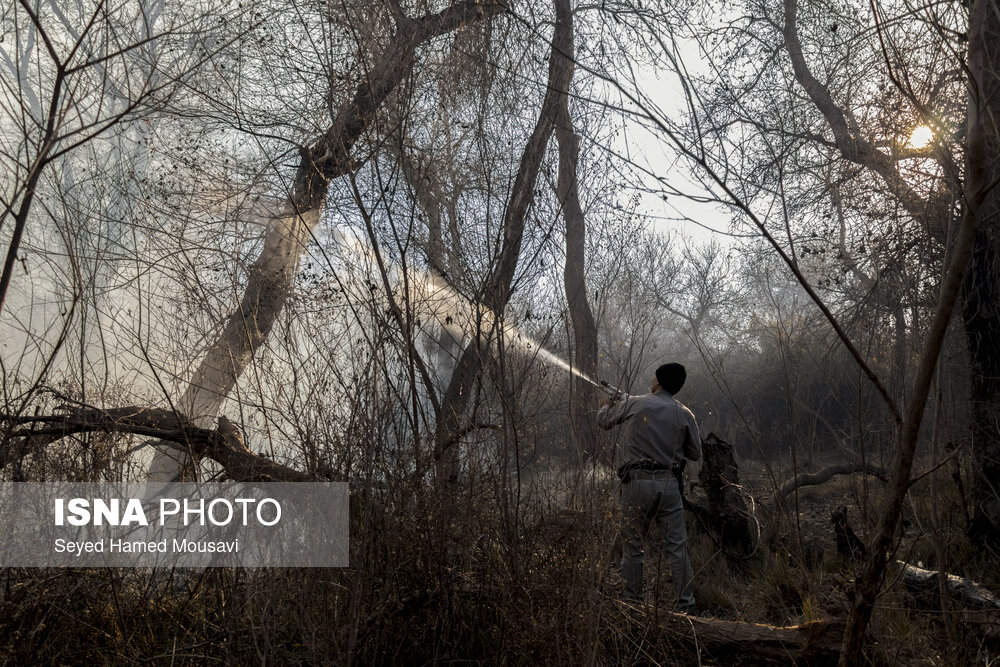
[475, 580]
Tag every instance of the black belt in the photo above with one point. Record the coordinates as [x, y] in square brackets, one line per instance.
[625, 471]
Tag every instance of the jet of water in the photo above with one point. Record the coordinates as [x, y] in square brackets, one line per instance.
[442, 303]
[444, 292]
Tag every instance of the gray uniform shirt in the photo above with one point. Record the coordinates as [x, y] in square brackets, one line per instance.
[660, 428]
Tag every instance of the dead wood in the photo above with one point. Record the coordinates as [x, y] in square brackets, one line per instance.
[965, 591]
[825, 475]
[728, 512]
[223, 445]
[813, 643]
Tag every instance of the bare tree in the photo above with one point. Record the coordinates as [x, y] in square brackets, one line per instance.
[575, 275]
[322, 160]
[495, 292]
[76, 73]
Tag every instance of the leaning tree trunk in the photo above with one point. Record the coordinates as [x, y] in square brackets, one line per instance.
[497, 289]
[583, 394]
[270, 278]
[981, 146]
[981, 306]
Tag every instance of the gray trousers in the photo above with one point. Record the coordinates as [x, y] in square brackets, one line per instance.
[655, 496]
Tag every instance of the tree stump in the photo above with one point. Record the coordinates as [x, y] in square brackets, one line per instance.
[720, 479]
[849, 545]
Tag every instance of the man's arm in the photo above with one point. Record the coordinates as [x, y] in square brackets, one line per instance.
[613, 412]
[692, 438]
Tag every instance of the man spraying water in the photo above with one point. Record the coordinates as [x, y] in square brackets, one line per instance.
[660, 435]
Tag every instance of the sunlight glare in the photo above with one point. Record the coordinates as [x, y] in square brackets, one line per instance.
[921, 137]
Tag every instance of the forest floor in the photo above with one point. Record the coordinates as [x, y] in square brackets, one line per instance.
[482, 580]
[796, 573]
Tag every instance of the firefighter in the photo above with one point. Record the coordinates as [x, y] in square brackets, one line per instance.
[660, 435]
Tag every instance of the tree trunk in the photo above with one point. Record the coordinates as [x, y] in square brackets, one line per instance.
[270, 278]
[981, 133]
[981, 306]
[899, 347]
[496, 291]
[582, 394]
[444, 335]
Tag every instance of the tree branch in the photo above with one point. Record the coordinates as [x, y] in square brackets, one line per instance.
[851, 145]
[223, 445]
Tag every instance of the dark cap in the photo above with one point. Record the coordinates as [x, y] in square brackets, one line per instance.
[671, 377]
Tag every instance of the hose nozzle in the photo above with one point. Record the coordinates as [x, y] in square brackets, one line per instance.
[612, 391]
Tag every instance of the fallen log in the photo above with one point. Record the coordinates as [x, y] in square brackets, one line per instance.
[813, 643]
[223, 445]
[825, 475]
[964, 591]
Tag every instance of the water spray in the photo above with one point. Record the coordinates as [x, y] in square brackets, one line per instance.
[548, 357]
[447, 307]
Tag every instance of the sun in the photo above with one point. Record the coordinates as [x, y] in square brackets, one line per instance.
[921, 137]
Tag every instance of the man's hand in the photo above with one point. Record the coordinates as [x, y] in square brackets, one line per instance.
[606, 401]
